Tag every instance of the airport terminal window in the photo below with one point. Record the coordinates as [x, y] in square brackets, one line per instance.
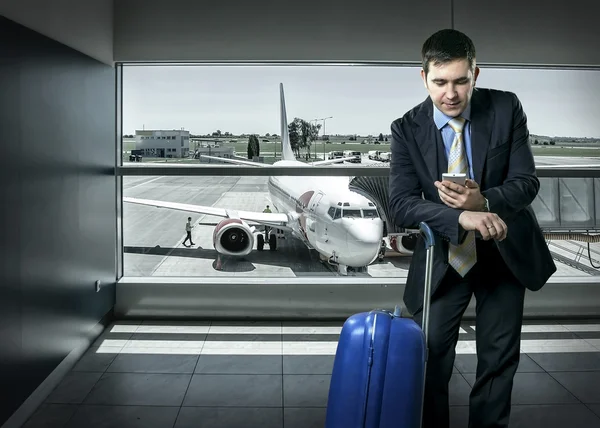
[216, 114]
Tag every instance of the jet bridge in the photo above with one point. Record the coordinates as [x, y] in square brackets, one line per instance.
[566, 208]
[376, 189]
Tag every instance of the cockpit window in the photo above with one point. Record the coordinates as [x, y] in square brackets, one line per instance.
[370, 213]
[334, 212]
[351, 213]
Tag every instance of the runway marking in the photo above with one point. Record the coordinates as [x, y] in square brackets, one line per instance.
[145, 182]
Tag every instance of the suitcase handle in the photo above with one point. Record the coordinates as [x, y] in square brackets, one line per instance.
[427, 234]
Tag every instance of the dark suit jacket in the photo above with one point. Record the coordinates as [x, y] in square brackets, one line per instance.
[504, 168]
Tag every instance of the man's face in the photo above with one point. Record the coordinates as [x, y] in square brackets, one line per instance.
[450, 85]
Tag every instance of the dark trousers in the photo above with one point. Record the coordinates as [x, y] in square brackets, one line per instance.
[188, 237]
[499, 313]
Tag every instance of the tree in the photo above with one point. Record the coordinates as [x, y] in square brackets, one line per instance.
[380, 136]
[294, 135]
[253, 147]
[302, 134]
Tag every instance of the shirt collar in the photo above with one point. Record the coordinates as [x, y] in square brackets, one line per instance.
[442, 120]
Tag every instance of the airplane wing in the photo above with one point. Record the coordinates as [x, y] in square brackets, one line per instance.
[263, 165]
[237, 161]
[270, 219]
[330, 161]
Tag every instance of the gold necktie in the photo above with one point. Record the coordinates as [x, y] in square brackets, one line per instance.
[461, 257]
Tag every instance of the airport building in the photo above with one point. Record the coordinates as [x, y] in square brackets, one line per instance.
[163, 143]
[108, 318]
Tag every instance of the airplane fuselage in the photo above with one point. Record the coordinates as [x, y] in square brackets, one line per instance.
[338, 223]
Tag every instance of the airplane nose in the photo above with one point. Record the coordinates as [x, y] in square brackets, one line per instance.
[365, 232]
[363, 239]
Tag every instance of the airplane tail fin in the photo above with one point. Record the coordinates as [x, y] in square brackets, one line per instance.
[286, 147]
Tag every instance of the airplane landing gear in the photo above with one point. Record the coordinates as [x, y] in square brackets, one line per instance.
[267, 238]
[272, 242]
[260, 242]
[346, 270]
[341, 269]
[382, 250]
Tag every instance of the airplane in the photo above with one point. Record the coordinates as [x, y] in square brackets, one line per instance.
[343, 226]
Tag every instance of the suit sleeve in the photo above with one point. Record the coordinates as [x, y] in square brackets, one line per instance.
[521, 184]
[407, 206]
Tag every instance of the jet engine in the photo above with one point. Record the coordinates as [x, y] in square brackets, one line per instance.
[233, 237]
[404, 243]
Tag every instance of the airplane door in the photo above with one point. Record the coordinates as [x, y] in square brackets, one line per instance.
[317, 228]
[311, 222]
[315, 202]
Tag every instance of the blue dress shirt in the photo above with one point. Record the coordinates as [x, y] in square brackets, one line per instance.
[441, 121]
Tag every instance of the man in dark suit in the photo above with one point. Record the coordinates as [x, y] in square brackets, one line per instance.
[488, 242]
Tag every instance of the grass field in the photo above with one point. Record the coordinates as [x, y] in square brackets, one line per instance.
[565, 151]
[271, 148]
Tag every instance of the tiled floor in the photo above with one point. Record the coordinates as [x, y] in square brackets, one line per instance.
[271, 375]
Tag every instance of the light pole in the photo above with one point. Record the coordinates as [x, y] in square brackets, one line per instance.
[323, 119]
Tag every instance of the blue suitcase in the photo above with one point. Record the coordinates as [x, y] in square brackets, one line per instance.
[378, 374]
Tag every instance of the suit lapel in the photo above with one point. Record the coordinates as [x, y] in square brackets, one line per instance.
[429, 140]
[482, 119]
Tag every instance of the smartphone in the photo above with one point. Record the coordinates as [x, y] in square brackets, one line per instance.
[455, 177]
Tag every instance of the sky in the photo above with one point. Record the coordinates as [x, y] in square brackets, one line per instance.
[363, 100]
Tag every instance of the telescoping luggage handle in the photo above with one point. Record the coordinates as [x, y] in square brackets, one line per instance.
[427, 234]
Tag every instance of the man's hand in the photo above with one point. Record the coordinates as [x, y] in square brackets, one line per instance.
[466, 197]
[489, 225]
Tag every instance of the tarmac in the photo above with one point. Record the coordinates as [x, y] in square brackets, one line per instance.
[153, 237]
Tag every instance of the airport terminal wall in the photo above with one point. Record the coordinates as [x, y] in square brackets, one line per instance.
[533, 32]
[84, 26]
[57, 206]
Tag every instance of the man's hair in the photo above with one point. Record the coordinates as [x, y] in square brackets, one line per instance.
[445, 46]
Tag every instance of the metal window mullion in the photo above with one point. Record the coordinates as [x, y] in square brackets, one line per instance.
[331, 171]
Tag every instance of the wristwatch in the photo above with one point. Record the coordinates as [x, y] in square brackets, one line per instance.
[486, 207]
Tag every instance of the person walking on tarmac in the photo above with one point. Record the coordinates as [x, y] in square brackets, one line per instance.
[267, 228]
[188, 229]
